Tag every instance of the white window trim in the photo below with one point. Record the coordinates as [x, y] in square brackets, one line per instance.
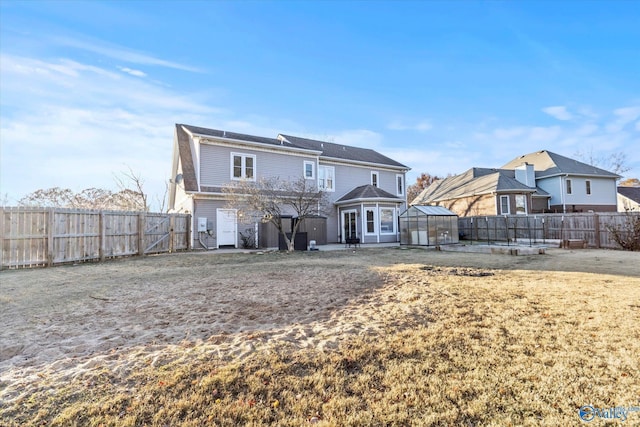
[313, 169]
[393, 222]
[588, 188]
[333, 169]
[243, 166]
[401, 177]
[508, 206]
[375, 222]
[568, 186]
[377, 175]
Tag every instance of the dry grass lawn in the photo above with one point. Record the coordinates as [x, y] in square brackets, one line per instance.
[375, 337]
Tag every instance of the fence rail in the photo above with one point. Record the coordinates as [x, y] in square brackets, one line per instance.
[41, 237]
[593, 228]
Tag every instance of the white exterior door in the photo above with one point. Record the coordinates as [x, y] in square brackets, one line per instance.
[226, 227]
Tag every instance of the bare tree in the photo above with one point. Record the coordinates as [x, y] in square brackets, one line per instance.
[54, 197]
[268, 200]
[135, 196]
[614, 162]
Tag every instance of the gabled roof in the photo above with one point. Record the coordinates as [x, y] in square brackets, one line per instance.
[188, 168]
[327, 149]
[547, 164]
[340, 151]
[473, 182]
[367, 192]
[632, 193]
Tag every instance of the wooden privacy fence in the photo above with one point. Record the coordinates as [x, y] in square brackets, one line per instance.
[590, 227]
[40, 237]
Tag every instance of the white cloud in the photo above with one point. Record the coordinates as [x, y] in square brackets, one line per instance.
[604, 134]
[509, 133]
[120, 53]
[133, 72]
[559, 112]
[420, 126]
[587, 129]
[73, 125]
[623, 117]
[358, 138]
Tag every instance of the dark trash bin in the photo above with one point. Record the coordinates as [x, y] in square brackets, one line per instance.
[299, 244]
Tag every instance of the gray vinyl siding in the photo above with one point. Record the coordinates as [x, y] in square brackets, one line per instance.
[206, 209]
[603, 190]
[215, 164]
[348, 177]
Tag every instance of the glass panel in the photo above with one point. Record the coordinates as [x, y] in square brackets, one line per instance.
[370, 222]
[504, 204]
[237, 166]
[248, 167]
[386, 221]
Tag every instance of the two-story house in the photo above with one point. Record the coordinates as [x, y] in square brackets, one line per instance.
[533, 183]
[366, 189]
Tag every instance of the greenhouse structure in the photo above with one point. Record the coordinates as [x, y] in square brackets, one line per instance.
[428, 226]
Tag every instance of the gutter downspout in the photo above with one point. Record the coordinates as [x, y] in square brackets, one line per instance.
[563, 185]
[363, 222]
[378, 215]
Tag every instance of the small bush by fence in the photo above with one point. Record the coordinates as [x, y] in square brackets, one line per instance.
[593, 228]
[40, 237]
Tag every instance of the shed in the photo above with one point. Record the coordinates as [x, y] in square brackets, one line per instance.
[428, 226]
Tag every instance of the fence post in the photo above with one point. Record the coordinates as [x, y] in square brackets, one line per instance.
[172, 224]
[141, 226]
[101, 240]
[188, 232]
[596, 224]
[50, 225]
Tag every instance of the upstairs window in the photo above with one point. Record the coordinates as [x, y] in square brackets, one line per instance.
[588, 184]
[374, 179]
[309, 170]
[326, 178]
[400, 185]
[243, 166]
[569, 186]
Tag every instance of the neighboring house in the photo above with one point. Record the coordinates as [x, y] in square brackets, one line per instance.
[366, 188]
[538, 182]
[628, 199]
[482, 191]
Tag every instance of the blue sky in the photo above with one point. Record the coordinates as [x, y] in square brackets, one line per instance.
[89, 89]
